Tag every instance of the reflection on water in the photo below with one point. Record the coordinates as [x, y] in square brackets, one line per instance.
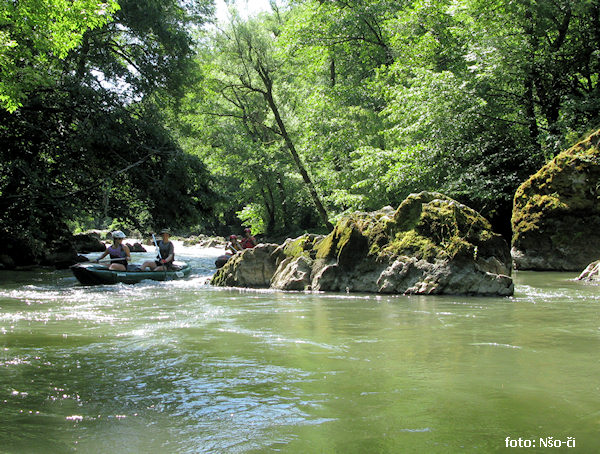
[183, 367]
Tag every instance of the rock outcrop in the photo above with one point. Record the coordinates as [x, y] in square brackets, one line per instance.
[136, 247]
[60, 254]
[430, 245]
[88, 242]
[248, 268]
[556, 213]
[26, 253]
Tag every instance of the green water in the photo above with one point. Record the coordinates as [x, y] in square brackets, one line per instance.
[180, 367]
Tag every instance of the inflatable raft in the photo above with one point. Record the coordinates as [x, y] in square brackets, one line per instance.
[95, 274]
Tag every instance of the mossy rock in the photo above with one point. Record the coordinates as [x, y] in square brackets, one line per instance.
[430, 244]
[302, 246]
[347, 244]
[427, 226]
[556, 212]
[252, 268]
[432, 226]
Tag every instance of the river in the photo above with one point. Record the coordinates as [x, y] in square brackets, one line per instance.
[181, 367]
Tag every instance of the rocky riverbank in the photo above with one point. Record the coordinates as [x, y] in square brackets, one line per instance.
[24, 254]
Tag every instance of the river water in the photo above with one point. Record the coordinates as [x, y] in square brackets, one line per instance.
[180, 367]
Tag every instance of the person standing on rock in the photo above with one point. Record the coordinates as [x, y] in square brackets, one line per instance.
[166, 254]
[248, 242]
[119, 252]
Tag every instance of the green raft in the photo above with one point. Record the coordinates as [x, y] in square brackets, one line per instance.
[95, 274]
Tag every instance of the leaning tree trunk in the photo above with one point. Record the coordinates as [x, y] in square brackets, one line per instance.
[268, 94]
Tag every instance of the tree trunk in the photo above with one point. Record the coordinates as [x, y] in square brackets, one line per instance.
[284, 204]
[534, 131]
[268, 95]
[332, 71]
[270, 211]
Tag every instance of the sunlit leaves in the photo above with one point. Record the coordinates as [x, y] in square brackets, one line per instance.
[36, 33]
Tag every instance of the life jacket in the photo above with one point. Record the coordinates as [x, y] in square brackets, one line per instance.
[118, 253]
[247, 243]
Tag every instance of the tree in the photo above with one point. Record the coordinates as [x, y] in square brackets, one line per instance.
[246, 72]
[547, 51]
[35, 34]
[93, 141]
[379, 98]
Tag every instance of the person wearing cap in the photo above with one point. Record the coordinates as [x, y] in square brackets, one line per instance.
[248, 241]
[166, 254]
[119, 252]
[234, 245]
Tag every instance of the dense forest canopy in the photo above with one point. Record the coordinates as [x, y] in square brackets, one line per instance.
[88, 143]
[145, 115]
[375, 99]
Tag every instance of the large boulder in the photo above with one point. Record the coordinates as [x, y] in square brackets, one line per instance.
[430, 245]
[248, 268]
[25, 253]
[556, 213]
[88, 242]
[18, 252]
[60, 254]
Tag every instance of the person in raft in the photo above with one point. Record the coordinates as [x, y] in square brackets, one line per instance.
[119, 252]
[166, 254]
[234, 245]
[248, 241]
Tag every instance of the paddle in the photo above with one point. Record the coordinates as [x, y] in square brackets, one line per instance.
[156, 245]
[97, 261]
[107, 260]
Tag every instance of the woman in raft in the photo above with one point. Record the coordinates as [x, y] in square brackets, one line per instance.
[166, 254]
[119, 252]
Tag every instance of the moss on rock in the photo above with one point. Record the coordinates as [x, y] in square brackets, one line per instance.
[556, 212]
[432, 226]
[430, 244]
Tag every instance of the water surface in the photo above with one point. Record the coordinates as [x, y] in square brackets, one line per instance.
[185, 368]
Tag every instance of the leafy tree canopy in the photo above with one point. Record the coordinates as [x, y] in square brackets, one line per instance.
[34, 34]
[90, 143]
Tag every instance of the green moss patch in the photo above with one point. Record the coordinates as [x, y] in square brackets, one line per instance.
[427, 225]
[567, 185]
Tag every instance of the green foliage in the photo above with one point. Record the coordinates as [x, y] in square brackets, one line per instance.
[131, 169]
[35, 34]
[253, 215]
[91, 144]
[384, 98]
[242, 122]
